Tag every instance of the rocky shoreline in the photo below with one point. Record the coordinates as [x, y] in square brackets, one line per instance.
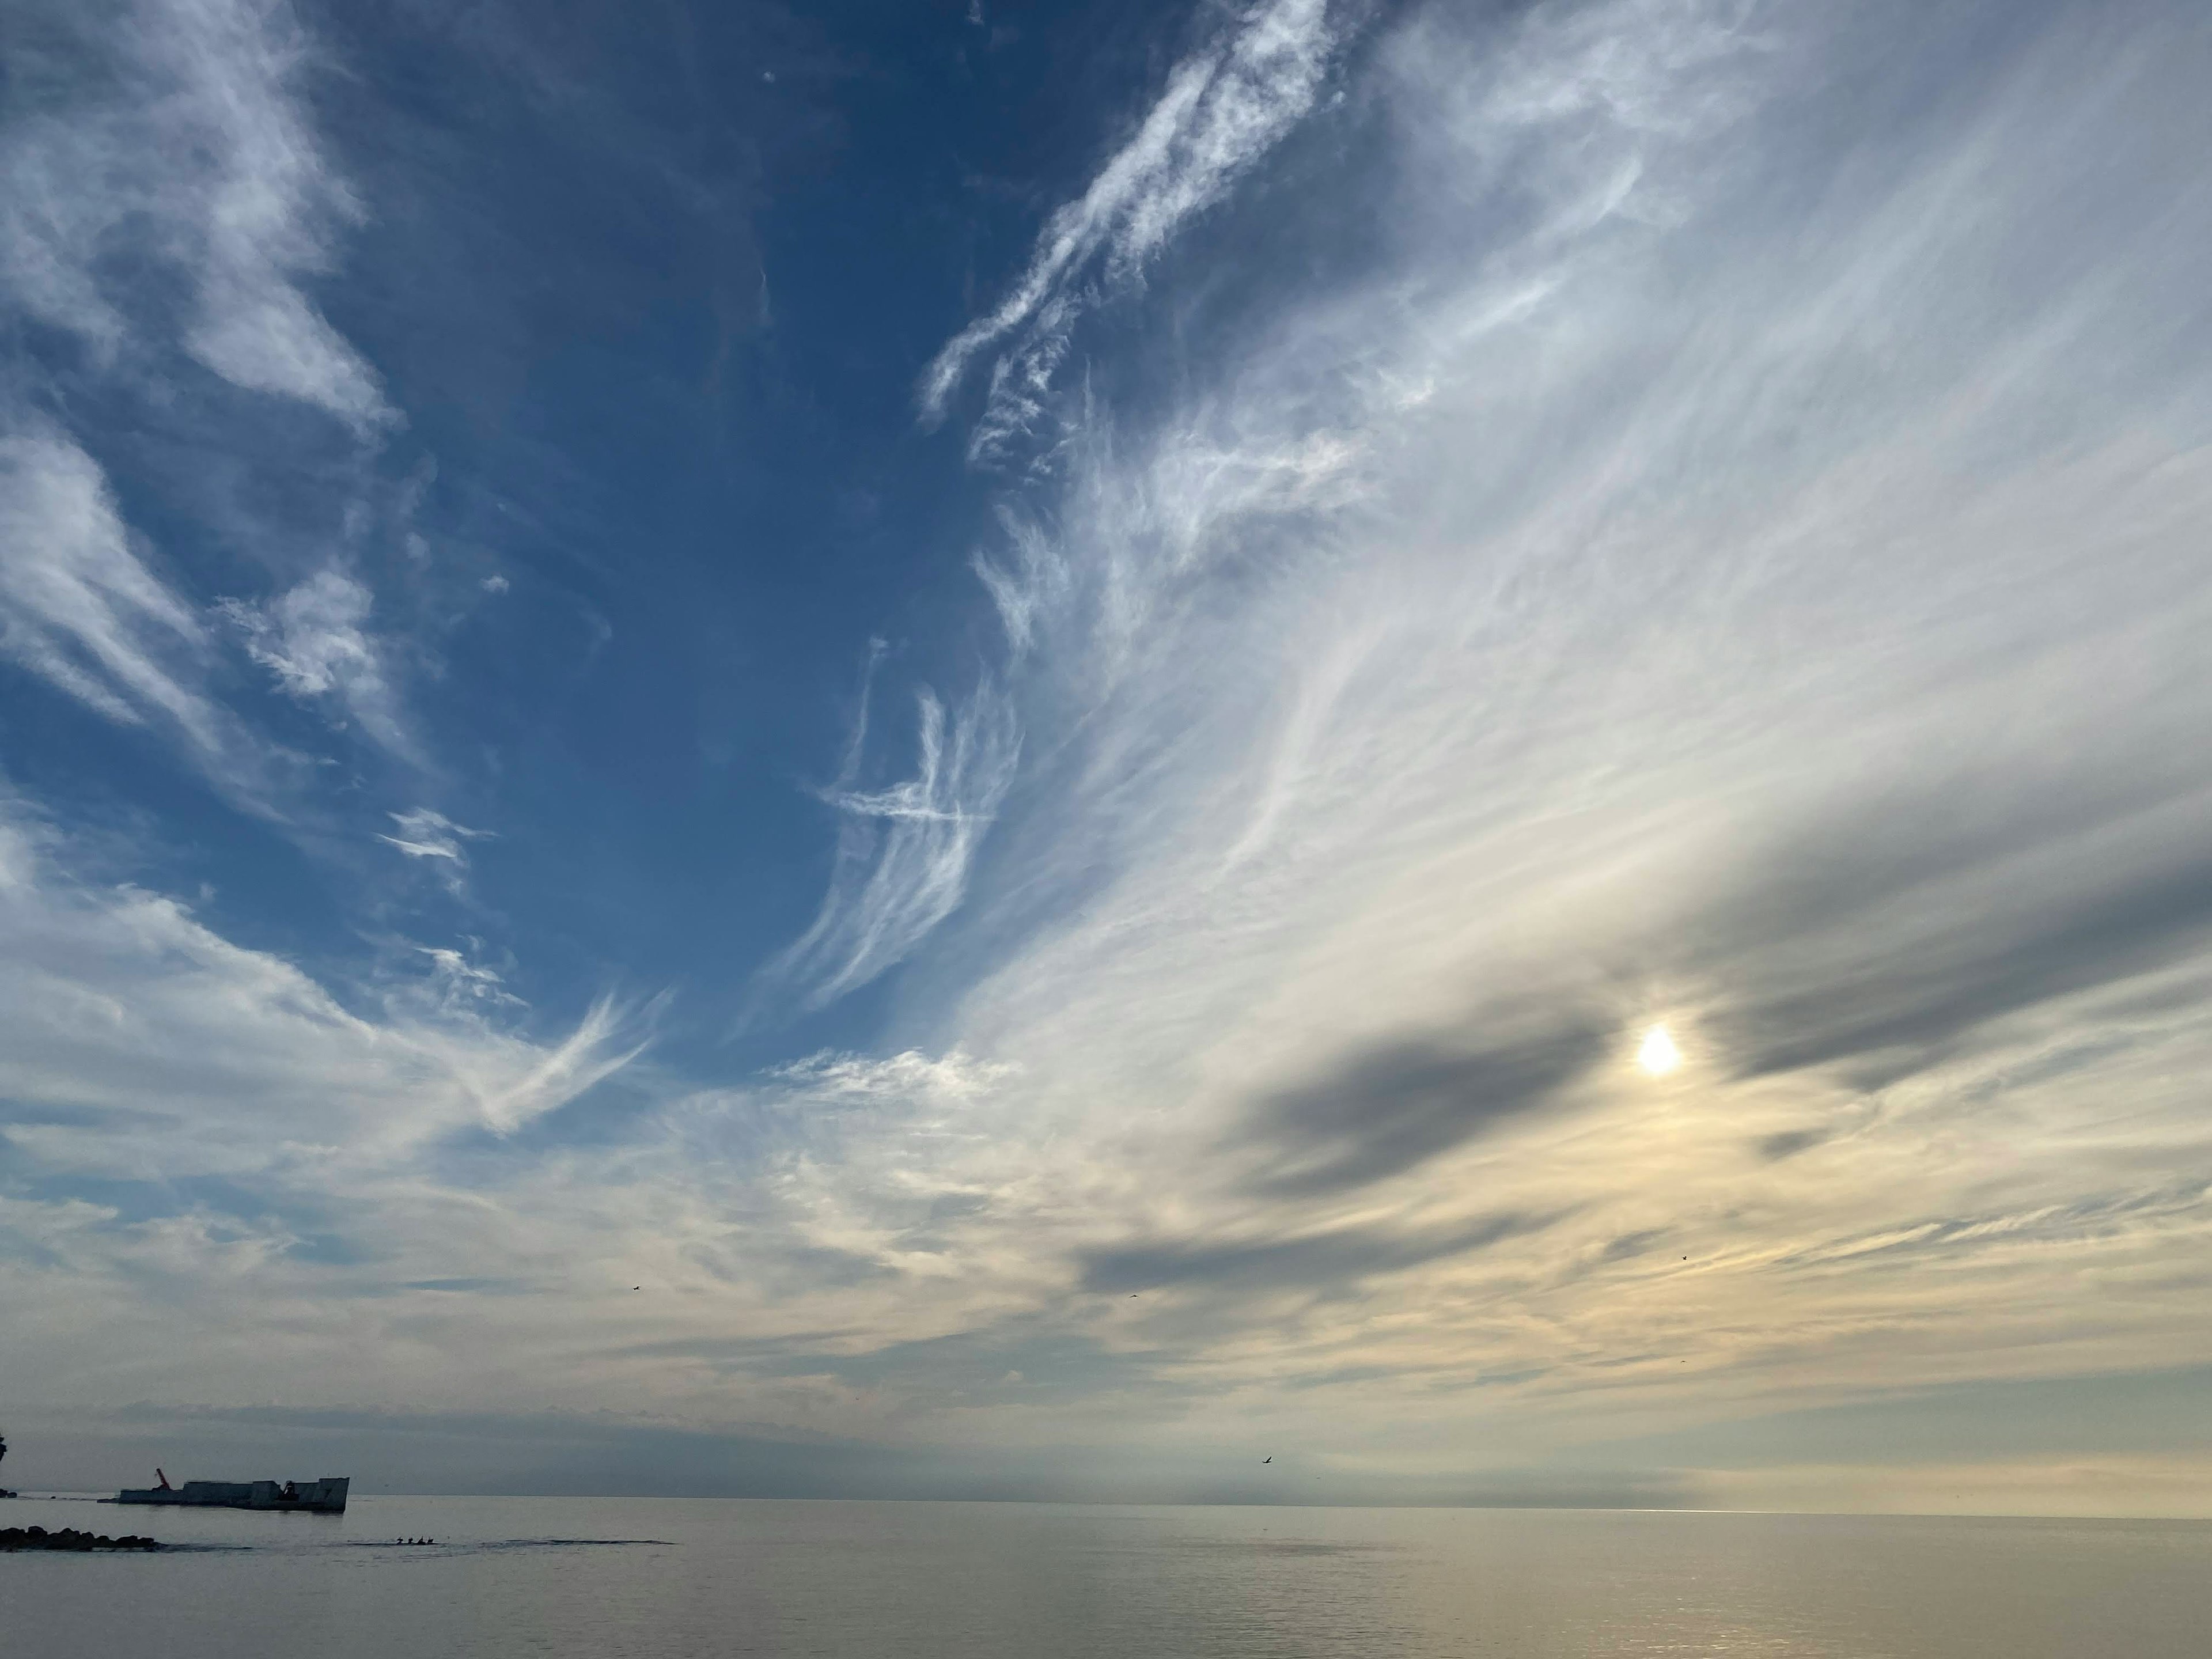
[69, 1538]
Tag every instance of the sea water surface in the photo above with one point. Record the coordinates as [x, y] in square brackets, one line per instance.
[659, 1578]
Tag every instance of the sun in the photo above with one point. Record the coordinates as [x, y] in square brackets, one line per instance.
[1657, 1054]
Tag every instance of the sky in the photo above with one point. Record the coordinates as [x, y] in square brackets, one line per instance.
[974, 750]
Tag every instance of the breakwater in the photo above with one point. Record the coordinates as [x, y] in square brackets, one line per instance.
[69, 1538]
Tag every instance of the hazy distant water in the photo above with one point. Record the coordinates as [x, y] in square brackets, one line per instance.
[543, 1577]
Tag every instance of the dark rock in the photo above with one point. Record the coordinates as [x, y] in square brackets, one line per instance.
[69, 1538]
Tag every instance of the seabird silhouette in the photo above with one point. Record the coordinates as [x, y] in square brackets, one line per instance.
[1269, 1458]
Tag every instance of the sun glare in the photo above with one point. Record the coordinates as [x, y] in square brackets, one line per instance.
[1658, 1055]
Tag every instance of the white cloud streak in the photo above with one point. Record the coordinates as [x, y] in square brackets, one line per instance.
[84, 607]
[78, 604]
[199, 154]
[1222, 110]
[165, 200]
[313, 639]
[123, 1009]
[904, 850]
[424, 834]
[436, 840]
[250, 1134]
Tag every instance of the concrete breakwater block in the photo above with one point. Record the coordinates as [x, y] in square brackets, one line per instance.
[69, 1538]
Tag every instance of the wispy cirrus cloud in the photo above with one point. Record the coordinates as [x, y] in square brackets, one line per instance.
[78, 604]
[225, 1059]
[178, 1108]
[193, 150]
[167, 207]
[424, 834]
[904, 850]
[1569, 628]
[1223, 109]
[435, 842]
[314, 639]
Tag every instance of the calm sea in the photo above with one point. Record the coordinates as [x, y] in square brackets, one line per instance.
[653, 1578]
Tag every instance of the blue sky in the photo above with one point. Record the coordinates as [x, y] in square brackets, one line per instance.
[965, 748]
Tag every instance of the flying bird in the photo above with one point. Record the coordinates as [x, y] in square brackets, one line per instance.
[1269, 1458]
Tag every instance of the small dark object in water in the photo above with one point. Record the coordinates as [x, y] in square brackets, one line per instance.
[69, 1538]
